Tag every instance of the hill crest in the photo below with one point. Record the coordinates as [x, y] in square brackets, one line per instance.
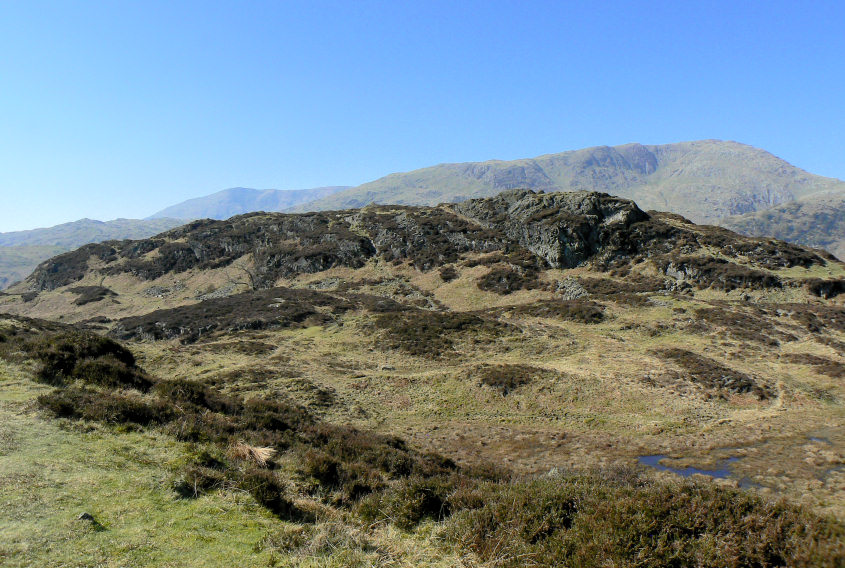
[703, 180]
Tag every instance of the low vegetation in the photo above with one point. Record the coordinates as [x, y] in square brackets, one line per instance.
[506, 377]
[597, 519]
[714, 375]
[90, 294]
[430, 387]
[434, 334]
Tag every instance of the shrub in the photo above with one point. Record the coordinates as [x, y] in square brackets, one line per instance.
[108, 372]
[411, 501]
[87, 357]
[710, 272]
[426, 333]
[202, 427]
[578, 310]
[184, 392]
[755, 328]
[266, 487]
[711, 374]
[74, 402]
[504, 280]
[506, 378]
[274, 415]
[594, 521]
[198, 480]
[90, 294]
[448, 273]
[822, 365]
[826, 288]
[323, 468]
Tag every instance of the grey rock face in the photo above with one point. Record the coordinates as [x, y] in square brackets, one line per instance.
[570, 289]
[564, 229]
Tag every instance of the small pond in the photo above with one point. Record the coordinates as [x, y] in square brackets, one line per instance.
[722, 469]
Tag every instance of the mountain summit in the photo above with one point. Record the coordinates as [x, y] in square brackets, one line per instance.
[703, 180]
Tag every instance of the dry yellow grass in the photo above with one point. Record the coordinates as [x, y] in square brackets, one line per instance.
[257, 454]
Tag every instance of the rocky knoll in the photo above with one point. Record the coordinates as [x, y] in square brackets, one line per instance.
[530, 230]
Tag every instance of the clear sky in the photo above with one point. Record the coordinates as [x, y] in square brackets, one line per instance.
[118, 109]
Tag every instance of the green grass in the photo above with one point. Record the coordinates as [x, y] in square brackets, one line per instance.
[51, 472]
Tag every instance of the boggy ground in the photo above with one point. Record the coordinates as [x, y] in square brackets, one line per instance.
[106, 464]
[698, 377]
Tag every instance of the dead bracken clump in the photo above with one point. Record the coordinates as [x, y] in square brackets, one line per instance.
[260, 455]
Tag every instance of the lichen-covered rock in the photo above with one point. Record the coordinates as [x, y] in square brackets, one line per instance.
[564, 229]
[529, 231]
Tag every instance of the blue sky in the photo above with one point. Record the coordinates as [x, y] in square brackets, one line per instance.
[118, 109]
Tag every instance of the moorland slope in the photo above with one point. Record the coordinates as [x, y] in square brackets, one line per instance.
[518, 379]
[816, 221]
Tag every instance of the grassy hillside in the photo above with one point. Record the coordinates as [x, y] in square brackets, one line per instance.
[704, 180]
[816, 221]
[483, 384]
[238, 200]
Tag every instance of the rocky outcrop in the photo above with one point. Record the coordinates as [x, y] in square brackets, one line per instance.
[529, 231]
[564, 229]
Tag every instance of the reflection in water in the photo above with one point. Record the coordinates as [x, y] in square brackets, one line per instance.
[721, 470]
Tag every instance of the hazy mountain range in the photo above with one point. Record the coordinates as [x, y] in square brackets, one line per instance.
[709, 181]
[237, 200]
[22, 251]
[704, 181]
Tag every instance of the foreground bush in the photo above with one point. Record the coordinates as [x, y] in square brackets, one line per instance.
[87, 357]
[591, 521]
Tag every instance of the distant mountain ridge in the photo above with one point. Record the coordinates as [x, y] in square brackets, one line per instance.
[704, 180]
[22, 251]
[238, 200]
[816, 221]
[708, 181]
[84, 231]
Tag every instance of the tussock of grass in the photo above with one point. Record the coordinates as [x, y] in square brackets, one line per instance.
[243, 451]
